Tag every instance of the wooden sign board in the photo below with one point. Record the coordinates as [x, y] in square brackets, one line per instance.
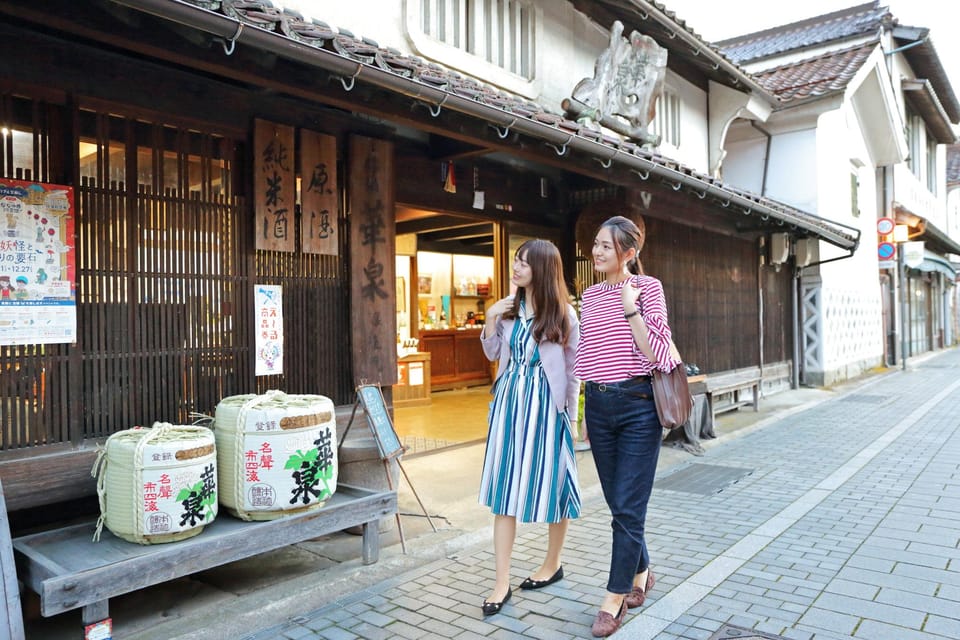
[373, 292]
[319, 226]
[371, 397]
[274, 186]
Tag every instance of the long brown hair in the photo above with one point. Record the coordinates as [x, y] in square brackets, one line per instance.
[626, 235]
[548, 289]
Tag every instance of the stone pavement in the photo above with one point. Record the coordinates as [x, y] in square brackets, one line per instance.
[836, 519]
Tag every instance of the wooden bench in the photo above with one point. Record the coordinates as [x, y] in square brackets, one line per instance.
[68, 570]
[732, 384]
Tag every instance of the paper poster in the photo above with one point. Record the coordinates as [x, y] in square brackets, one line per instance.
[37, 264]
[269, 323]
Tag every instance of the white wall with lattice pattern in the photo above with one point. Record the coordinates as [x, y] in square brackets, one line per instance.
[852, 325]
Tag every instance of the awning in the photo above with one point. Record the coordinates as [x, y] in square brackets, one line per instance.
[933, 263]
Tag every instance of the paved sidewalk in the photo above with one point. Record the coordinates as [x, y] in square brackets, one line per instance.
[835, 521]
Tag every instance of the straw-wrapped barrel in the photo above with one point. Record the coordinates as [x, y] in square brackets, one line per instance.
[157, 485]
[277, 454]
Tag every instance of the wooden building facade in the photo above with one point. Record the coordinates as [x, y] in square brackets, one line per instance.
[153, 123]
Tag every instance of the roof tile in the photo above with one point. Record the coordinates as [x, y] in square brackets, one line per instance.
[855, 21]
[815, 77]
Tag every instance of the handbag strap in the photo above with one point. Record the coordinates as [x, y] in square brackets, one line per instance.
[674, 352]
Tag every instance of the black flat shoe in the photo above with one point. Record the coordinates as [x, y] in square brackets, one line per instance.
[530, 583]
[491, 608]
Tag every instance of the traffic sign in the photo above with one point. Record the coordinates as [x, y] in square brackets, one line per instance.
[885, 226]
[886, 250]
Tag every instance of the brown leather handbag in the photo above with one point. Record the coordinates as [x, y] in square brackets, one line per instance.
[671, 393]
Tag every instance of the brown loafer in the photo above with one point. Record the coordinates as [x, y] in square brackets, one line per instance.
[638, 596]
[606, 624]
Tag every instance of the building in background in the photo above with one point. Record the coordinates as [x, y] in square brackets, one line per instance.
[865, 115]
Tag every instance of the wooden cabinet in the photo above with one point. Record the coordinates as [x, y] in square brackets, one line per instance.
[413, 380]
[456, 358]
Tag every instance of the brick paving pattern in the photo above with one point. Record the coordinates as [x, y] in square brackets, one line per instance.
[839, 521]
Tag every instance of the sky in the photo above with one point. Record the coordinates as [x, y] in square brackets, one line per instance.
[716, 20]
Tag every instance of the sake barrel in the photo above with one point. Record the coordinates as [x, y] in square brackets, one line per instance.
[277, 454]
[157, 485]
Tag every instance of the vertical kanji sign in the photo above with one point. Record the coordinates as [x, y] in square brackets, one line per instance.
[274, 186]
[319, 230]
[372, 264]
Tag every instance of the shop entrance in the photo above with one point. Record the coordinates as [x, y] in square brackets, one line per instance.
[447, 275]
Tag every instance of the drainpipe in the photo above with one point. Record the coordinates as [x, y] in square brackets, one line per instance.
[234, 31]
[795, 329]
[766, 156]
[763, 192]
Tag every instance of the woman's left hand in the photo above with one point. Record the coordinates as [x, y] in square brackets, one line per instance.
[629, 295]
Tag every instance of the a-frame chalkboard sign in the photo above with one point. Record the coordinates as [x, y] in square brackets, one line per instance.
[370, 397]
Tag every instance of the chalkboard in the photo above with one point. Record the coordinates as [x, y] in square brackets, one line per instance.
[371, 397]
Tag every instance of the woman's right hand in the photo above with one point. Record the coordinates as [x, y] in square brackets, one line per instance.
[498, 308]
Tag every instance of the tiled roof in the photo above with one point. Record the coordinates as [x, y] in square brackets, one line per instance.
[855, 21]
[390, 68]
[815, 77]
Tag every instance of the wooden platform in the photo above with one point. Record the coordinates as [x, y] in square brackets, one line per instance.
[68, 570]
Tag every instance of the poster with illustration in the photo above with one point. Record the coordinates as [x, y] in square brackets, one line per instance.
[38, 302]
[269, 319]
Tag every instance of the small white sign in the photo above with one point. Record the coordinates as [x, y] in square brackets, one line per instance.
[416, 374]
[912, 253]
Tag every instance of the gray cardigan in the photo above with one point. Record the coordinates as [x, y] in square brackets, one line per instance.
[557, 361]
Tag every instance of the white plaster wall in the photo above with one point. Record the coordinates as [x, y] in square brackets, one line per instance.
[743, 165]
[792, 175]
[851, 306]
[694, 139]
[953, 213]
[568, 46]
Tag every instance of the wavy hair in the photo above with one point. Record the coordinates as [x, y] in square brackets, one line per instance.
[548, 290]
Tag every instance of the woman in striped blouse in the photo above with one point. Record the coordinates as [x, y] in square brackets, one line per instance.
[529, 469]
[624, 336]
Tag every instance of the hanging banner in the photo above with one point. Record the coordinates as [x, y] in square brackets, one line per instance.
[268, 305]
[38, 302]
[274, 186]
[319, 227]
[372, 264]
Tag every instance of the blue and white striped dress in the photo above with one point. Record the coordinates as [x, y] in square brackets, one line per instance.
[529, 469]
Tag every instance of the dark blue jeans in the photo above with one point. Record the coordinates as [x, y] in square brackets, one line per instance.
[625, 436]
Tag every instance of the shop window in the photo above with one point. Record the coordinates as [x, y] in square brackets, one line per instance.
[914, 142]
[31, 136]
[482, 38]
[931, 163]
[666, 123]
[854, 191]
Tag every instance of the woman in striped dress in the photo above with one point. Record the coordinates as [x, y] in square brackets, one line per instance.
[529, 469]
[625, 336]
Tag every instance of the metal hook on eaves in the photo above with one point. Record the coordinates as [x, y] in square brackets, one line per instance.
[437, 108]
[232, 42]
[561, 151]
[503, 132]
[349, 87]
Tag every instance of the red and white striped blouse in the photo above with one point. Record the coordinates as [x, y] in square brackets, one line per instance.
[607, 352]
